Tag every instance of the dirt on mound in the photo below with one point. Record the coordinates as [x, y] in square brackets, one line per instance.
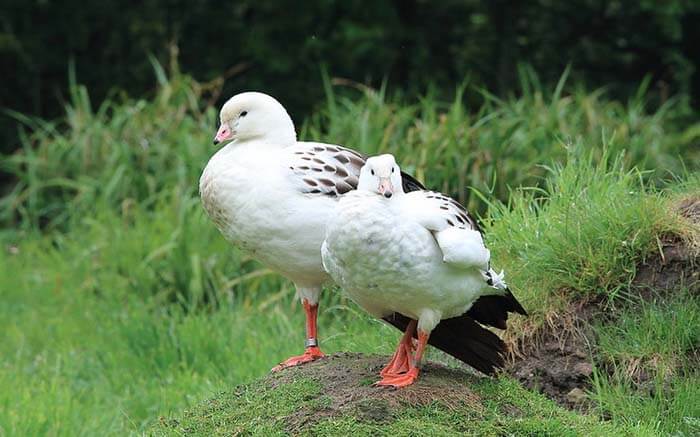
[348, 380]
[559, 363]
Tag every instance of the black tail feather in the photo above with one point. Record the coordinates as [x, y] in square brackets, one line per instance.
[465, 340]
[493, 310]
[468, 341]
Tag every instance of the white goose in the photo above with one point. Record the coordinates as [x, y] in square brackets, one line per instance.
[272, 195]
[420, 255]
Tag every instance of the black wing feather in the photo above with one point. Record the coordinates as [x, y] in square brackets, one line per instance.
[410, 183]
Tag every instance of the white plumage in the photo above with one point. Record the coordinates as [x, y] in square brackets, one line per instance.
[247, 192]
[463, 248]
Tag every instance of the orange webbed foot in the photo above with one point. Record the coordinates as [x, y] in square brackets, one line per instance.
[311, 354]
[399, 381]
[400, 362]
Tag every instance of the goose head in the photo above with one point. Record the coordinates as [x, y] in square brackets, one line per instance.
[255, 116]
[381, 175]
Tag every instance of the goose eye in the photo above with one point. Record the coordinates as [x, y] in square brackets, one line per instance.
[392, 169]
[372, 171]
[243, 114]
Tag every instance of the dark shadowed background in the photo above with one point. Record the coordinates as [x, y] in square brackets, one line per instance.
[281, 46]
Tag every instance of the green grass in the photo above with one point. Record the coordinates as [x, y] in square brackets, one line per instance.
[503, 143]
[80, 358]
[250, 410]
[119, 301]
[121, 153]
[652, 354]
[583, 233]
[109, 157]
[654, 331]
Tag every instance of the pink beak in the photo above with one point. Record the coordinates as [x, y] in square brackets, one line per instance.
[386, 188]
[224, 133]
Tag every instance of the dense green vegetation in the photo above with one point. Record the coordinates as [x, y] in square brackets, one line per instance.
[584, 232]
[651, 360]
[143, 150]
[120, 302]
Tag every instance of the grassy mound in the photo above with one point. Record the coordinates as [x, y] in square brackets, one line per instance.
[335, 396]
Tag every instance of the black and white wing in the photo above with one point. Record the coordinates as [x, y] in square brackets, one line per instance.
[438, 212]
[330, 170]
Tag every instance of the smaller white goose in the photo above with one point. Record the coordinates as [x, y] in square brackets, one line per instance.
[420, 255]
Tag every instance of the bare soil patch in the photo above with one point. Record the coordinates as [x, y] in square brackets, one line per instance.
[559, 364]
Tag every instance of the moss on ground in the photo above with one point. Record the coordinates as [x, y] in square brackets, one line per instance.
[334, 396]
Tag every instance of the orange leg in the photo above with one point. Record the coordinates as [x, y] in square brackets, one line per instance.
[411, 375]
[312, 352]
[400, 362]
